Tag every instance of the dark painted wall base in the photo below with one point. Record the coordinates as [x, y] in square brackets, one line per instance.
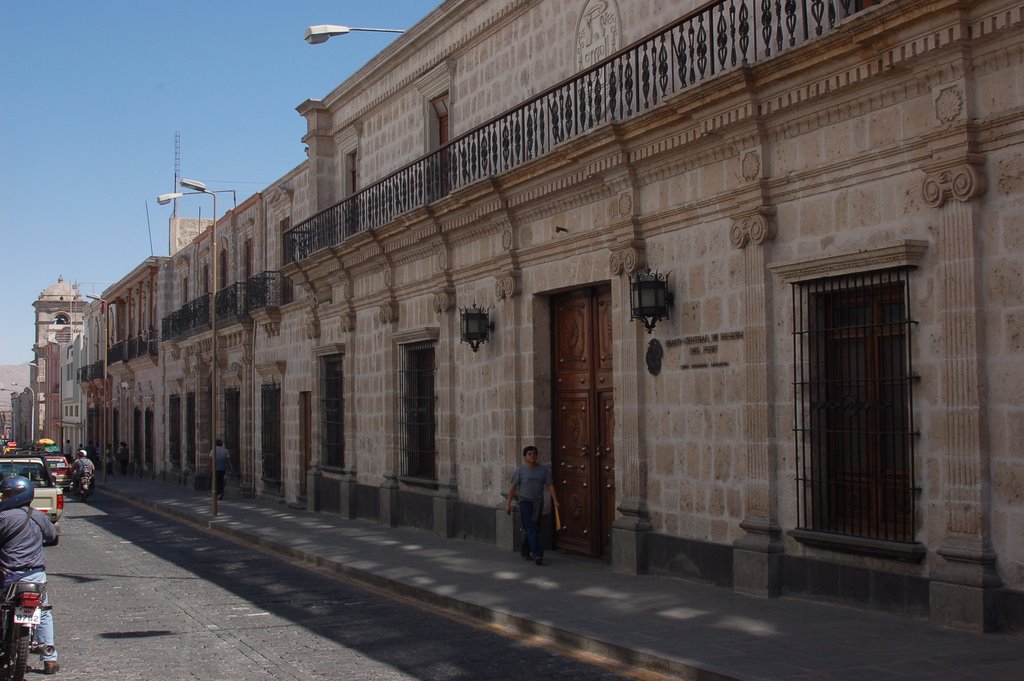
[672, 556]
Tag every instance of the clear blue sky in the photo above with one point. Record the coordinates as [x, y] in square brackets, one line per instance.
[92, 93]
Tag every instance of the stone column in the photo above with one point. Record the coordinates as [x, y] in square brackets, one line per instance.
[388, 317]
[757, 557]
[631, 529]
[506, 292]
[965, 584]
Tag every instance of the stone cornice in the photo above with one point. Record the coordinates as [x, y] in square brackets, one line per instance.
[905, 253]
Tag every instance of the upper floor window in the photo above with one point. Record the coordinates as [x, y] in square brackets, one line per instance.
[61, 320]
[854, 409]
[222, 268]
[247, 260]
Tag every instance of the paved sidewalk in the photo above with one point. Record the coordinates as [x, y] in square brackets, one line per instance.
[666, 625]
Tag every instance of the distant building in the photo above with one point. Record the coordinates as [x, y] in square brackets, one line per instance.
[58, 318]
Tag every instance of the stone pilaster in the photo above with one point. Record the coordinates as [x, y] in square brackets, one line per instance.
[964, 587]
[757, 558]
[630, 530]
[447, 447]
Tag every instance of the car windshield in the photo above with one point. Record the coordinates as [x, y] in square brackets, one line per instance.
[33, 470]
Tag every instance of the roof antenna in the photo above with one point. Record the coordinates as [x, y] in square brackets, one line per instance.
[148, 227]
[177, 170]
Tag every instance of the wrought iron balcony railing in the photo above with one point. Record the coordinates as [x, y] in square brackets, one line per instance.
[117, 352]
[231, 304]
[719, 36]
[234, 303]
[142, 345]
[264, 290]
[190, 318]
[91, 372]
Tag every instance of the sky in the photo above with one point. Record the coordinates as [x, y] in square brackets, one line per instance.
[92, 95]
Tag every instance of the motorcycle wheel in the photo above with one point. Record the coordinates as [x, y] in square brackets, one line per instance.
[16, 653]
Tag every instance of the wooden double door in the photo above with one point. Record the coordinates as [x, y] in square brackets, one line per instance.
[583, 460]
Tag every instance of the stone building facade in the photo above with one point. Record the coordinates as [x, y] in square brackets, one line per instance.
[830, 193]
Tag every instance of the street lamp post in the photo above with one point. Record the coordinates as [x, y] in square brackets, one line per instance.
[198, 187]
[107, 407]
[321, 33]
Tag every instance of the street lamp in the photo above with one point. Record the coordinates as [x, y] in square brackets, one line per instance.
[107, 407]
[198, 187]
[324, 32]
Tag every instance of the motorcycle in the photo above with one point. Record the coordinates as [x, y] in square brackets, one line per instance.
[20, 614]
[84, 486]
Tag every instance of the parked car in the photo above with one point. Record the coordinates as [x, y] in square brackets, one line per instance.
[60, 469]
[49, 497]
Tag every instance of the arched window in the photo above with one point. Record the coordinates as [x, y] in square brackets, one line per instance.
[61, 319]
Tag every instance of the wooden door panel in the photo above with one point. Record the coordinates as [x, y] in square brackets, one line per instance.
[582, 375]
[573, 471]
[605, 463]
[572, 342]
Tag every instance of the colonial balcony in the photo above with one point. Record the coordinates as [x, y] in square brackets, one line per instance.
[117, 352]
[144, 345]
[235, 303]
[720, 36]
[231, 307]
[91, 372]
[190, 318]
[265, 290]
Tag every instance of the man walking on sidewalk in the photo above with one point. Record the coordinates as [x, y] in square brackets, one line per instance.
[222, 461]
[529, 482]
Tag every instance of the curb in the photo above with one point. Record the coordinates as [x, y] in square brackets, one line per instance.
[574, 641]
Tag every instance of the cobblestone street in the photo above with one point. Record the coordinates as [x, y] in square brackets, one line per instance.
[137, 596]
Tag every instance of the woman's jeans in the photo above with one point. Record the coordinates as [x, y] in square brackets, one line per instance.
[529, 517]
[44, 632]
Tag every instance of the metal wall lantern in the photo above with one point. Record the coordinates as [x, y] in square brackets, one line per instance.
[649, 297]
[476, 325]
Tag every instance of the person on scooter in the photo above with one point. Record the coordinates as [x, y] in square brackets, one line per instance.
[81, 467]
[22, 533]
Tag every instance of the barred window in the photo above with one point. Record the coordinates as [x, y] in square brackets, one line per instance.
[270, 431]
[233, 425]
[854, 411]
[417, 417]
[332, 411]
[190, 430]
[174, 430]
[148, 424]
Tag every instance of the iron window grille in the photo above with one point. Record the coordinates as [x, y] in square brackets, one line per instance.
[137, 435]
[148, 446]
[417, 412]
[332, 411]
[270, 431]
[232, 425]
[190, 430]
[853, 395]
[174, 431]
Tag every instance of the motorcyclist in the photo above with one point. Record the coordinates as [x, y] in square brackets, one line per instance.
[22, 533]
[81, 467]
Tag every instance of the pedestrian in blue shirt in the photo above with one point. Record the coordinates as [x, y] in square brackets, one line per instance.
[528, 484]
